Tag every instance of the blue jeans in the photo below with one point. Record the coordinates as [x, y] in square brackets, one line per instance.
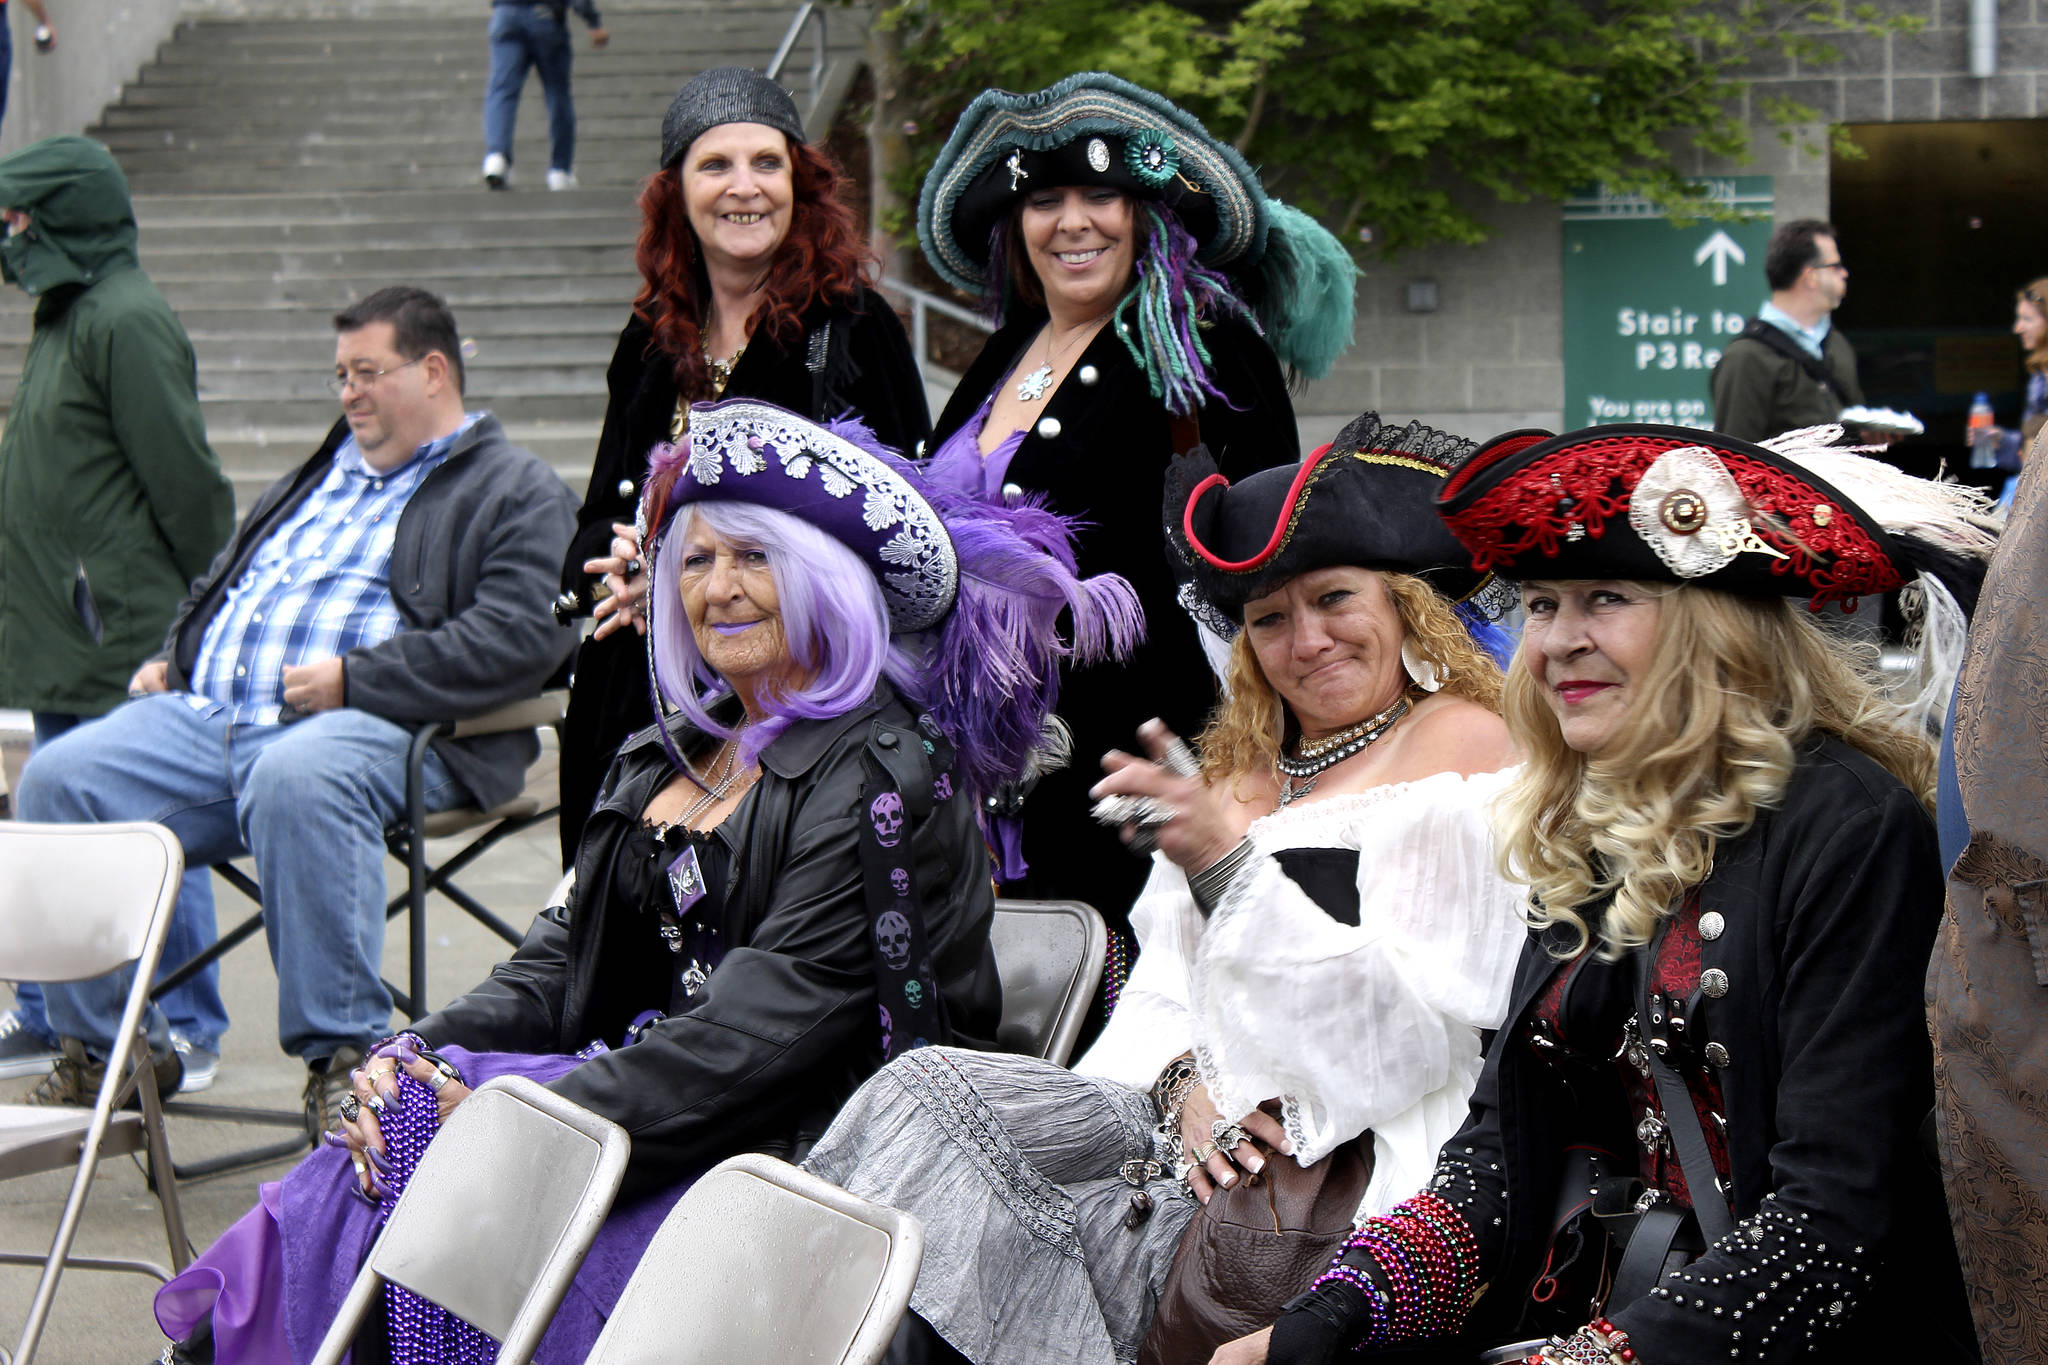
[525, 36]
[309, 800]
[195, 1008]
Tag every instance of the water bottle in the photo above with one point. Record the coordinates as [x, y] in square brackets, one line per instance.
[1983, 436]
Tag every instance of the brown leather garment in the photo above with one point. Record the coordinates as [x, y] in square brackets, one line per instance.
[1987, 987]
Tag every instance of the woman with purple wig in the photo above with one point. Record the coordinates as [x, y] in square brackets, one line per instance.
[781, 886]
[1147, 293]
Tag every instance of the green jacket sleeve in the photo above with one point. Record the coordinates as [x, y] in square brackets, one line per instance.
[149, 375]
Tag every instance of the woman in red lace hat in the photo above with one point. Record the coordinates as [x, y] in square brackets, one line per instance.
[1697, 1138]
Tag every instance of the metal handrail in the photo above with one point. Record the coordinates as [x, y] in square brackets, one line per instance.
[922, 305]
[805, 14]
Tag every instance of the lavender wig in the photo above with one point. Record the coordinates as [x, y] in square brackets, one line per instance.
[833, 619]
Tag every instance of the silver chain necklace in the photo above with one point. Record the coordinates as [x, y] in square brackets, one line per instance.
[1298, 775]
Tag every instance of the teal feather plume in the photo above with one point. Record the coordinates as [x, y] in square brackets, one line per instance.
[1308, 307]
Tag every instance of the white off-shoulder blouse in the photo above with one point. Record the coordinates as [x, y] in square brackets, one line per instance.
[1373, 1027]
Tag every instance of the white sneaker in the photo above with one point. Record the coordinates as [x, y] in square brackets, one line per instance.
[561, 180]
[200, 1065]
[497, 171]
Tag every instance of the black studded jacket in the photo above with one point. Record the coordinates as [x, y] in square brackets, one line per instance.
[1841, 1246]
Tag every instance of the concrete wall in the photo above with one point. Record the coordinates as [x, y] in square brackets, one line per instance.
[1490, 357]
[101, 44]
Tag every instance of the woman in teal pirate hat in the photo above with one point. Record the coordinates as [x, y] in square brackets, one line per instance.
[1147, 294]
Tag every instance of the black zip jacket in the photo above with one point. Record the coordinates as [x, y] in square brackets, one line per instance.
[787, 1027]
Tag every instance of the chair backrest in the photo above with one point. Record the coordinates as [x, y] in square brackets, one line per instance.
[76, 900]
[763, 1262]
[1049, 955]
[501, 1210]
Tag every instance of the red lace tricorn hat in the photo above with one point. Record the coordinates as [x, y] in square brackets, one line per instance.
[1678, 504]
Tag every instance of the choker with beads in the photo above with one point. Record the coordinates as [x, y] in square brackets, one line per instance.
[1314, 757]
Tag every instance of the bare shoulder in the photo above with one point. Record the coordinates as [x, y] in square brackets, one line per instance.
[1451, 734]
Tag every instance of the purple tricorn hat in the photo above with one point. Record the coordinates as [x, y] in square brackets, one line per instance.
[743, 450]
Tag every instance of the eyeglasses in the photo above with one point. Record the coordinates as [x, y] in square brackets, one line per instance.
[1831, 265]
[363, 379]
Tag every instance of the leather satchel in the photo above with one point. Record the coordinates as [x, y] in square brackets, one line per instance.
[1252, 1248]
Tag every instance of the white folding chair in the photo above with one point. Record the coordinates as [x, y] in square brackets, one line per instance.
[76, 902]
[763, 1262]
[496, 1218]
[1049, 956]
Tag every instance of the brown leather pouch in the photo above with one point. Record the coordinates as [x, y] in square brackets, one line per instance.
[1251, 1249]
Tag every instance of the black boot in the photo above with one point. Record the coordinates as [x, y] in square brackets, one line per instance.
[196, 1349]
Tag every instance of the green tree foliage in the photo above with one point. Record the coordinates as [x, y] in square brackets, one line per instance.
[1372, 114]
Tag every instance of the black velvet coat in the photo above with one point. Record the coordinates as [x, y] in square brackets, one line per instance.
[1099, 452]
[869, 370]
[786, 1028]
[1841, 1250]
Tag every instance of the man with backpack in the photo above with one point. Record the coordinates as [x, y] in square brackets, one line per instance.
[1790, 368]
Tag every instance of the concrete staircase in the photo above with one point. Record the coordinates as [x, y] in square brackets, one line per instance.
[289, 158]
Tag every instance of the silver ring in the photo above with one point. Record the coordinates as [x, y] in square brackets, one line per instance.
[350, 1108]
[375, 1104]
[440, 1078]
[1203, 1151]
[357, 1162]
[634, 567]
[1184, 1170]
[1228, 1136]
[1179, 759]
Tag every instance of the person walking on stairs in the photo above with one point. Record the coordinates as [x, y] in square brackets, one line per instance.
[533, 34]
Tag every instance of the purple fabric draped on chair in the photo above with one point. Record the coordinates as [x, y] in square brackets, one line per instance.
[275, 1279]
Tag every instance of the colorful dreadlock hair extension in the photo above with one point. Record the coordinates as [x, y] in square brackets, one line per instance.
[1171, 295]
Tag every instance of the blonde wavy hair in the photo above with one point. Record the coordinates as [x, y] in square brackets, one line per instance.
[1734, 685]
[1246, 732]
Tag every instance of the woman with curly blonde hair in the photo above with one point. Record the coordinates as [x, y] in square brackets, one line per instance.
[1323, 939]
[1697, 1135]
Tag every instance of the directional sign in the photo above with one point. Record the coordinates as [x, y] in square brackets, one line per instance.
[1648, 305]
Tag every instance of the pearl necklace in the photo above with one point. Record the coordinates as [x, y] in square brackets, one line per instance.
[1316, 756]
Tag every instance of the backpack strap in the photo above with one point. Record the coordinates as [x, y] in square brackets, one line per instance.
[1774, 337]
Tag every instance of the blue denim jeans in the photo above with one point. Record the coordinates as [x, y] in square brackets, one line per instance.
[195, 1008]
[525, 36]
[309, 800]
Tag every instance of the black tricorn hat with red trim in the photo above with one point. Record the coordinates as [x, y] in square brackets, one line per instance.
[1365, 499]
[1795, 517]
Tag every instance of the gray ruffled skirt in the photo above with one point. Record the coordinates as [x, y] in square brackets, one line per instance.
[1012, 1164]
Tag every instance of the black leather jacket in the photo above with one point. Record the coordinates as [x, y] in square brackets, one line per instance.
[787, 1027]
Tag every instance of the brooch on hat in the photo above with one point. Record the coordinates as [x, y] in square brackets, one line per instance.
[1151, 156]
[1690, 512]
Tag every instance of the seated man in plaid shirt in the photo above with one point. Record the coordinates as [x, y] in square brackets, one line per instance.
[401, 575]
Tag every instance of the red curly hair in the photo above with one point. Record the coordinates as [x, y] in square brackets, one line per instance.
[825, 256]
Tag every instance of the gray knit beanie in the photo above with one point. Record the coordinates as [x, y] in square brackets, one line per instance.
[726, 94]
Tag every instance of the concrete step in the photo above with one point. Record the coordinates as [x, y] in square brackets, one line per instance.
[391, 261]
[501, 226]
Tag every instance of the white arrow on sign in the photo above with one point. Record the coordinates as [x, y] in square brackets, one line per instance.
[1721, 247]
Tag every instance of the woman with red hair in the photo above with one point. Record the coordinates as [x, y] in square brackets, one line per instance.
[753, 284]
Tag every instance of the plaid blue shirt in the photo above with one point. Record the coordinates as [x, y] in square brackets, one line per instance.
[317, 587]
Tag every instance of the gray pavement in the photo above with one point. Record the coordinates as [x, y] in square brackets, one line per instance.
[102, 1317]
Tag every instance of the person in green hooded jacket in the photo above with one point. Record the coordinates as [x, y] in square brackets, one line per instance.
[111, 501]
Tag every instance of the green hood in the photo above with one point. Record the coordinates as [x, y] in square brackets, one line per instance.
[81, 225]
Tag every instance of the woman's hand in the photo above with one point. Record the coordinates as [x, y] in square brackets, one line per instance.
[1249, 1350]
[375, 1090]
[625, 579]
[1198, 829]
[1198, 1120]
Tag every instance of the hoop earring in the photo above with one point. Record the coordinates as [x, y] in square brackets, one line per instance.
[1425, 672]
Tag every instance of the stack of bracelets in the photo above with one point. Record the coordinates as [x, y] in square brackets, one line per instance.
[1429, 1259]
[1600, 1342]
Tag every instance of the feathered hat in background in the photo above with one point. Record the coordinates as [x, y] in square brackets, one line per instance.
[974, 589]
[1797, 516]
[1290, 274]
